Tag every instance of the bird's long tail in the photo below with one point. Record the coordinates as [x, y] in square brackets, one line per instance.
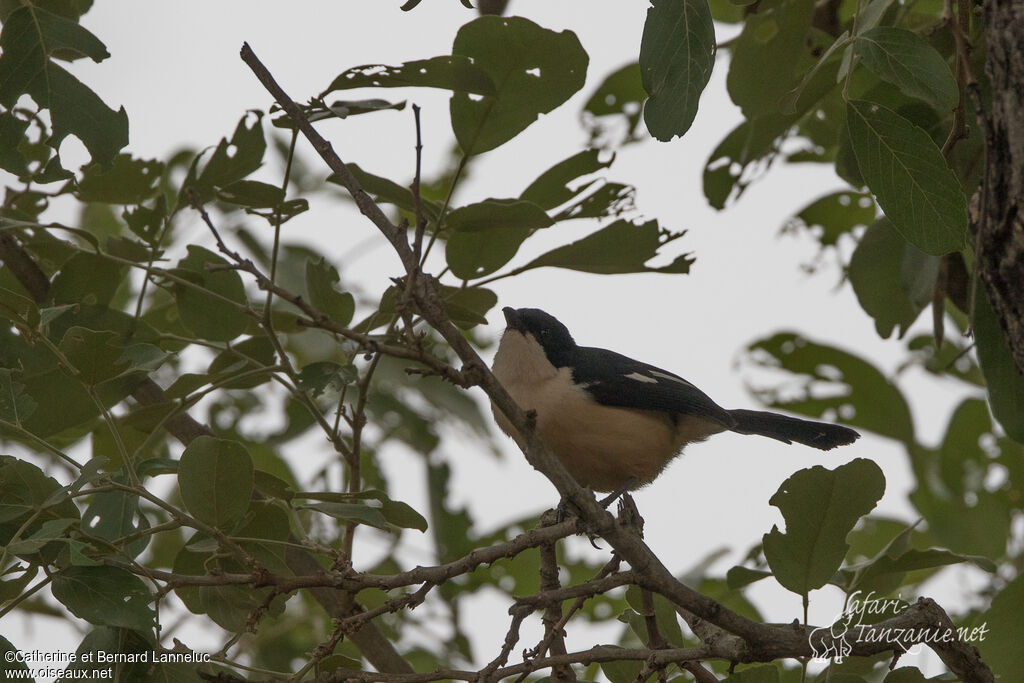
[821, 435]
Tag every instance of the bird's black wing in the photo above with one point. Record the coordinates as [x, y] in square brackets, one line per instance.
[617, 380]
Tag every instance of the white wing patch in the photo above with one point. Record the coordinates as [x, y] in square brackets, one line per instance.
[641, 378]
[669, 377]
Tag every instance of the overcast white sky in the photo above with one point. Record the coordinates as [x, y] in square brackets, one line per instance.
[175, 68]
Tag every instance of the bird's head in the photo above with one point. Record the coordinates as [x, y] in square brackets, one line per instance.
[551, 335]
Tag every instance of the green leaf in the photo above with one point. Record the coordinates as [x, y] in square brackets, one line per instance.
[830, 382]
[212, 312]
[352, 512]
[343, 109]
[623, 670]
[320, 279]
[128, 181]
[272, 486]
[385, 190]
[103, 642]
[676, 56]
[789, 102]
[51, 530]
[622, 247]
[95, 355]
[755, 674]
[12, 667]
[15, 404]
[129, 249]
[773, 42]
[317, 377]
[621, 94]
[468, 306]
[487, 235]
[31, 35]
[909, 177]
[609, 200]
[738, 577]
[1004, 380]
[1003, 632]
[25, 490]
[19, 309]
[449, 72]
[87, 278]
[106, 596]
[664, 615]
[396, 512]
[820, 507]
[12, 135]
[906, 60]
[243, 357]
[886, 569]
[728, 171]
[836, 214]
[230, 162]
[893, 280]
[551, 188]
[147, 223]
[251, 193]
[112, 515]
[905, 674]
[216, 480]
[534, 70]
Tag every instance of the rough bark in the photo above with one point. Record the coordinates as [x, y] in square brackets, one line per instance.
[1001, 240]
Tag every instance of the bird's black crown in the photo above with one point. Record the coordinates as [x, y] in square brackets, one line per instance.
[552, 335]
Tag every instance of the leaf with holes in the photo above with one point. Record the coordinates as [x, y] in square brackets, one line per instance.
[31, 36]
[820, 507]
[619, 97]
[534, 70]
[230, 161]
[836, 214]
[677, 53]
[449, 72]
[107, 596]
[128, 181]
[909, 177]
[552, 188]
[622, 247]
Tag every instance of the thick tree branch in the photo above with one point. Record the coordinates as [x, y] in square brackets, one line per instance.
[1000, 239]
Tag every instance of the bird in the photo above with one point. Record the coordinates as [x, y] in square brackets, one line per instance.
[614, 422]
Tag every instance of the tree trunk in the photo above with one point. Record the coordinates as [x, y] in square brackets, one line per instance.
[1000, 243]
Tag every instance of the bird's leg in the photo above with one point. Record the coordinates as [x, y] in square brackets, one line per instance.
[614, 495]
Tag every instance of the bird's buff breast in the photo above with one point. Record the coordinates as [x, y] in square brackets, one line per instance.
[600, 446]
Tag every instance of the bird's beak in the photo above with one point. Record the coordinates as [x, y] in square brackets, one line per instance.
[512, 319]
